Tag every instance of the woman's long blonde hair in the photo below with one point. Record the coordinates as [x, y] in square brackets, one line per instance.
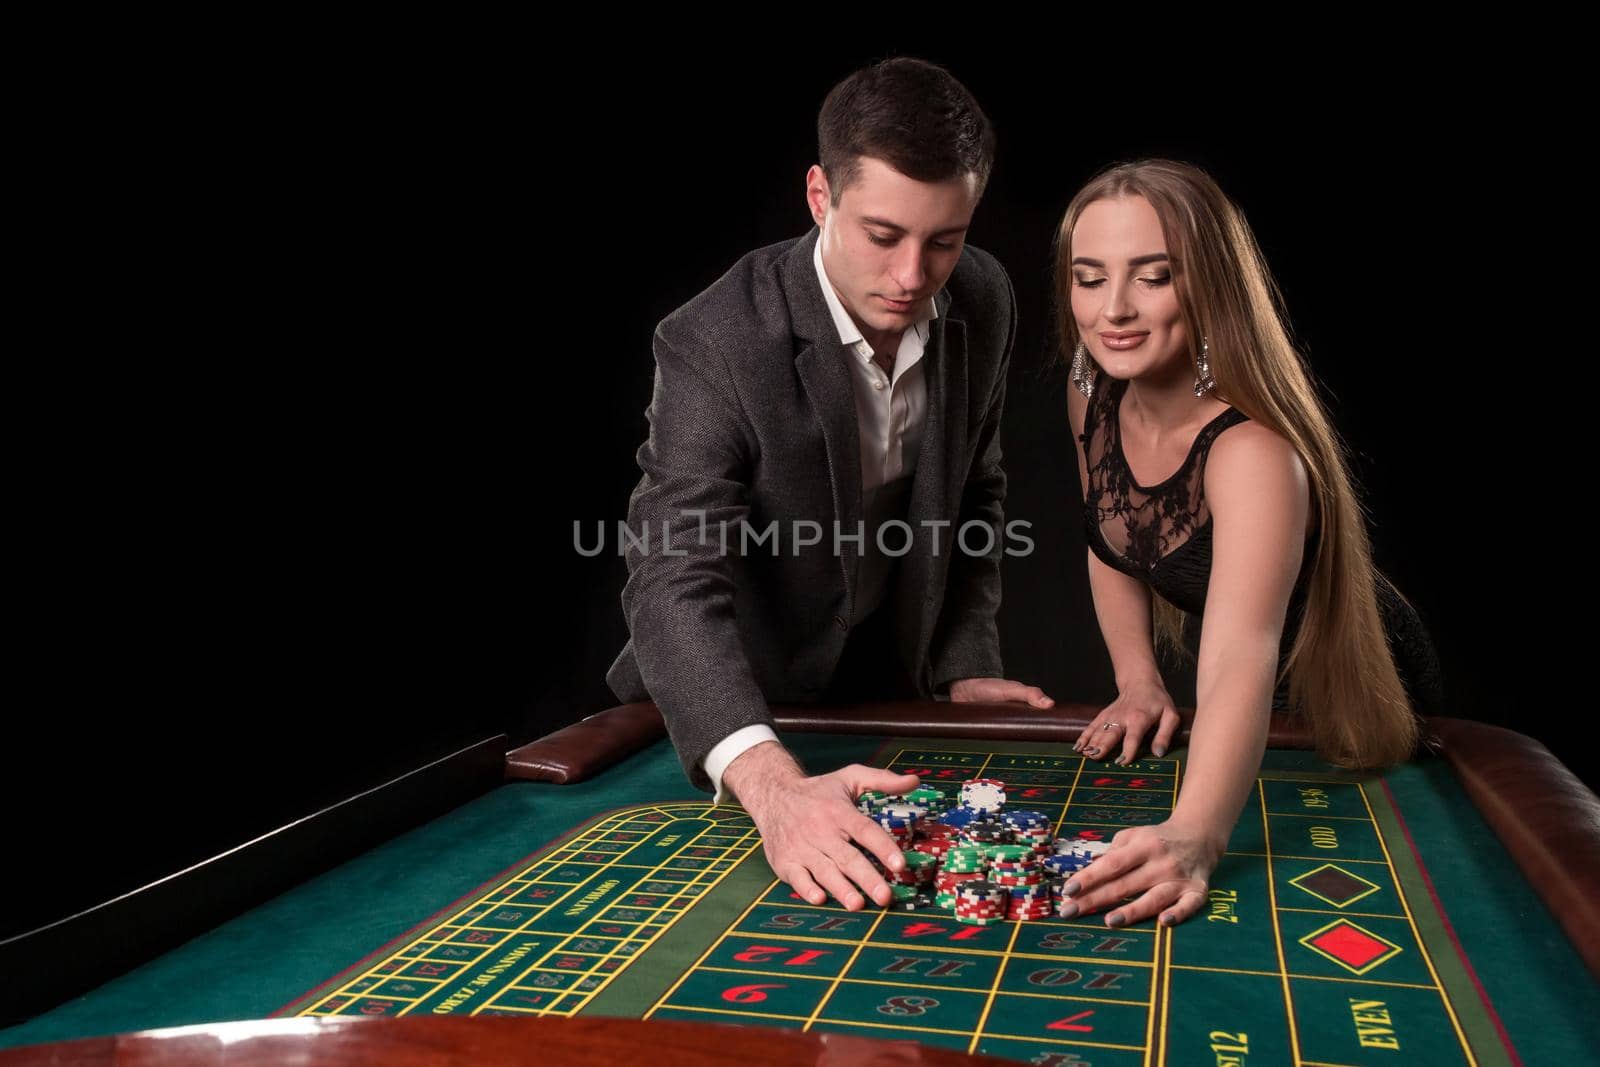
[1341, 672]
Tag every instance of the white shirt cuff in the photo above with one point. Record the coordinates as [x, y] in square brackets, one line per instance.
[731, 748]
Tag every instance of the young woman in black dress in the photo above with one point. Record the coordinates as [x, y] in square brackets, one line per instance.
[1216, 487]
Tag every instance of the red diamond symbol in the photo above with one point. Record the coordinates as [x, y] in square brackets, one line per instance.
[1348, 944]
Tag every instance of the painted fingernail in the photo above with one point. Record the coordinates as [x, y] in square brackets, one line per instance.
[1114, 920]
[1070, 889]
[1167, 919]
[1159, 750]
[1067, 910]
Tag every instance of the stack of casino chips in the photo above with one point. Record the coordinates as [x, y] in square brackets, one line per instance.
[985, 830]
[1079, 849]
[1071, 855]
[957, 817]
[1016, 868]
[934, 838]
[918, 872]
[1063, 864]
[962, 863]
[909, 898]
[912, 885]
[1031, 828]
[930, 800]
[900, 819]
[1058, 896]
[980, 902]
[871, 800]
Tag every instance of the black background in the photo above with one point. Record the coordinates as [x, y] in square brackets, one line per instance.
[383, 343]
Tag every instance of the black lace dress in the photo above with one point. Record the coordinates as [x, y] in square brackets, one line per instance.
[1161, 534]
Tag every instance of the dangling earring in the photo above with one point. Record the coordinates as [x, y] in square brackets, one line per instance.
[1083, 370]
[1203, 382]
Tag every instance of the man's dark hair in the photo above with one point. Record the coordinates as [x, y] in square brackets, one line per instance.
[909, 113]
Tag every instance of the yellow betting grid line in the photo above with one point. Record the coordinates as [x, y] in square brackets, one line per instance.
[584, 997]
[462, 965]
[1347, 914]
[1072, 791]
[725, 1011]
[662, 1000]
[588, 837]
[1164, 972]
[834, 985]
[675, 913]
[993, 755]
[1164, 949]
[904, 983]
[988, 1005]
[1166, 1001]
[1129, 790]
[909, 947]
[1000, 970]
[1411, 921]
[1277, 931]
[653, 873]
[1075, 1042]
[1303, 977]
[595, 835]
[900, 1027]
[1117, 807]
[1315, 859]
[408, 954]
[1361, 981]
[540, 911]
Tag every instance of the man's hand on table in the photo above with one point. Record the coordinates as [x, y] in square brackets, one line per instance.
[997, 691]
[810, 825]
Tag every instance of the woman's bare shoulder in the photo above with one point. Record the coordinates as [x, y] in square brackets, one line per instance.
[1249, 460]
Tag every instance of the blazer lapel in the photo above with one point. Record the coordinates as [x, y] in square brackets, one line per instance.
[825, 376]
[826, 380]
[941, 474]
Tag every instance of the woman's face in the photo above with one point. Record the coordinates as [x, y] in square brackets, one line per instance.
[1123, 296]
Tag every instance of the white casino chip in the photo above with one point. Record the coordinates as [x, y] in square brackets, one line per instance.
[987, 797]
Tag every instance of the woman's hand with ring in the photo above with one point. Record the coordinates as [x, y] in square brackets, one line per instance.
[1121, 727]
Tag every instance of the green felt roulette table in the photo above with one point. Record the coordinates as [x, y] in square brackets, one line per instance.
[1429, 915]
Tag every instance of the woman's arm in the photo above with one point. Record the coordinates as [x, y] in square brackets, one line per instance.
[1259, 497]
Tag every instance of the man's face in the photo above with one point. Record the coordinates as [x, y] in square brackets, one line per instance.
[891, 243]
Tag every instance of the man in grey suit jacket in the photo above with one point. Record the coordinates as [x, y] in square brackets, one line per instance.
[820, 514]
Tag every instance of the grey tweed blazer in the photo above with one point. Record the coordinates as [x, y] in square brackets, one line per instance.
[753, 421]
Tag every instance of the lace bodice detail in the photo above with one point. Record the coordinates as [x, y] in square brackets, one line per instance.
[1158, 533]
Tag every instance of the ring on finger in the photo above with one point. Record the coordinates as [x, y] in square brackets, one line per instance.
[1109, 725]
